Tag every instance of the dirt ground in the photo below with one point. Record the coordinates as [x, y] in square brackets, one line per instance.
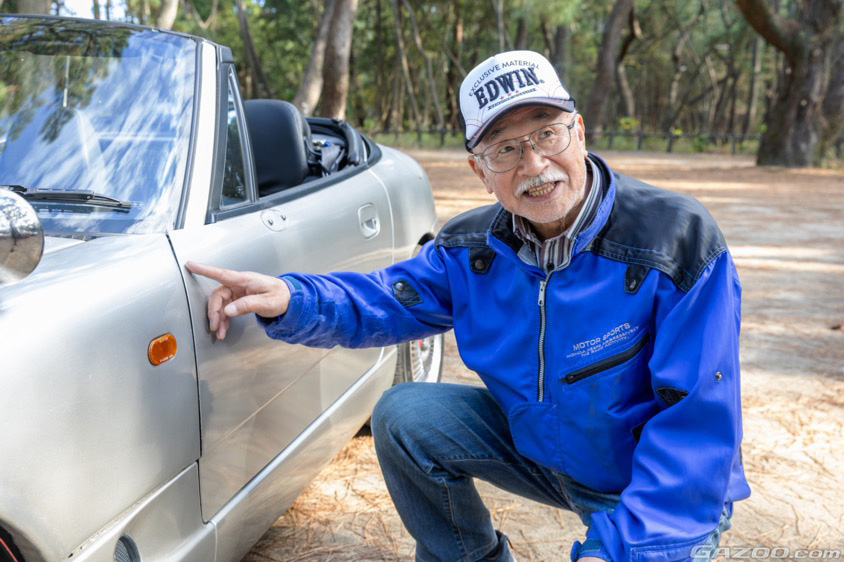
[785, 229]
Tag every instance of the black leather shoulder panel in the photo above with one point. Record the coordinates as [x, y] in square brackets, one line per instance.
[661, 229]
[468, 229]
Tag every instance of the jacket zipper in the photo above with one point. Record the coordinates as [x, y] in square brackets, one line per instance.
[568, 246]
[606, 364]
[541, 392]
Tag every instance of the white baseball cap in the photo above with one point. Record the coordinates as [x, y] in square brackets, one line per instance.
[504, 82]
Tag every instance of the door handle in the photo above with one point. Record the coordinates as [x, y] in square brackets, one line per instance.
[370, 225]
[274, 220]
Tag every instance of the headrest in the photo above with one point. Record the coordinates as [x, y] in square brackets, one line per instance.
[281, 141]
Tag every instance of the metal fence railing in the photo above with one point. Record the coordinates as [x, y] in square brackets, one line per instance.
[699, 141]
[666, 141]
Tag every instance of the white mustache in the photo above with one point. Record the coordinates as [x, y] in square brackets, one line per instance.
[536, 181]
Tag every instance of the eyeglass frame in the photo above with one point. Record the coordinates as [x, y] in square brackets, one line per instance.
[533, 146]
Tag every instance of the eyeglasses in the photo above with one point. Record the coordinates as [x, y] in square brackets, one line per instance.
[549, 140]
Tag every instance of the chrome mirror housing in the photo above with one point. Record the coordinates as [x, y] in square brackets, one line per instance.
[21, 237]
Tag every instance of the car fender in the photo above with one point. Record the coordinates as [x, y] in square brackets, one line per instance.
[411, 200]
[90, 425]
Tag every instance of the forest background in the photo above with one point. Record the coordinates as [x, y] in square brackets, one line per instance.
[765, 76]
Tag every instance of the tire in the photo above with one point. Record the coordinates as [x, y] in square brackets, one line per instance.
[420, 360]
[10, 553]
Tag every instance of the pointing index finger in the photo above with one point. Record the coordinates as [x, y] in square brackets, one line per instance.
[224, 276]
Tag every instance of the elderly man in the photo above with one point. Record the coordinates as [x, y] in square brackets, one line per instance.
[602, 314]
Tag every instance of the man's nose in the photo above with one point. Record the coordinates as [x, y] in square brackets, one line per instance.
[532, 162]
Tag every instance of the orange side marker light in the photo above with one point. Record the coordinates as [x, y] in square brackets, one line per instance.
[162, 349]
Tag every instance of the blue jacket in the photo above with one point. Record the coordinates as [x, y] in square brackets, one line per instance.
[620, 369]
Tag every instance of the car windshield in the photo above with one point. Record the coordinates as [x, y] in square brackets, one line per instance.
[103, 109]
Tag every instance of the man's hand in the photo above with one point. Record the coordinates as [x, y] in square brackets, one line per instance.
[241, 293]
[590, 559]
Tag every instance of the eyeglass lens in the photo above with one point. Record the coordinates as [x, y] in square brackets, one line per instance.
[547, 141]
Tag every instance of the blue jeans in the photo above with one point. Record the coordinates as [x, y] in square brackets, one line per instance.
[432, 440]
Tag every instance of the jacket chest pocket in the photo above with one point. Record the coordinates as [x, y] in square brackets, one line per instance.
[608, 363]
[598, 407]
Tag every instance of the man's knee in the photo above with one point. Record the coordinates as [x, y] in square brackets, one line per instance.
[397, 407]
[416, 415]
[427, 414]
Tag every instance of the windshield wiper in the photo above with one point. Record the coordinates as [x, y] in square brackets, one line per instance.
[76, 196]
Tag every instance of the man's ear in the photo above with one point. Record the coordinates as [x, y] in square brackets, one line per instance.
[581, 132]
[479, 170]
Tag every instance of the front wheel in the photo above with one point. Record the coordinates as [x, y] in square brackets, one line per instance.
[420, 360]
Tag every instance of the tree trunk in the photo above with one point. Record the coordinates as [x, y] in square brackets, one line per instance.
[606, 67]
[794, 127]
[626, 91]
[260, 80]
[95, 6]
[674, 88]
[248, 87]
[832, 124]
[452, 77]
[402, 62]
[562, 60]
[307, 95]
[731, 122]
[455, 56]
[549, 40]
[717, 87]
[429, 71]
[678, 101]
[197, 18]
[335, 70]
[621, 73]
[379, 65]
[33, 6]
[753, 93]
[683, 99]
[723, 97]
[396, 108]
[167, 15]
[556, 47]
[521, 34]
[358, 112]
[504, 41]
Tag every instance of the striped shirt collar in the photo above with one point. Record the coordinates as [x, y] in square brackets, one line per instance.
[555, 252]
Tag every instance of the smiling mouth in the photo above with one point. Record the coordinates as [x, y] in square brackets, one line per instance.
[541, 190]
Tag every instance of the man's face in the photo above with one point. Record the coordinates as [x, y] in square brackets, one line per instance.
[542, 189]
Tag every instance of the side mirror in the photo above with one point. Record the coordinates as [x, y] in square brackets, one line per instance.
[21, 238]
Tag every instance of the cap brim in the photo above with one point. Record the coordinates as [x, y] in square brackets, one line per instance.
[565, 105]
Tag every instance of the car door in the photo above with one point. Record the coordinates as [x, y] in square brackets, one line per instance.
[256, 395]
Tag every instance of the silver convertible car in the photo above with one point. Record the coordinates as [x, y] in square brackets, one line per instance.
[129, 432]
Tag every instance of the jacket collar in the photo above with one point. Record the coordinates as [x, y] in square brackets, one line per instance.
[608, 188]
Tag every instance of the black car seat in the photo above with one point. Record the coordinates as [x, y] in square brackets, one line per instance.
[281, 143]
